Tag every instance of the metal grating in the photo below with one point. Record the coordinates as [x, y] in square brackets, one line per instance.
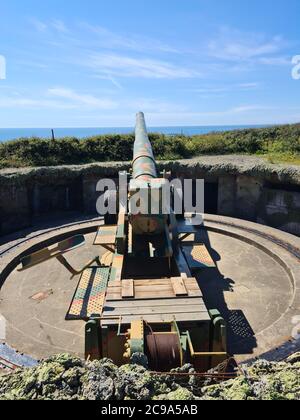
[90, 295]
[198, 257]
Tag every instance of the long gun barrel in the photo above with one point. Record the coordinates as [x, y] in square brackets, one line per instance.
[143, 166]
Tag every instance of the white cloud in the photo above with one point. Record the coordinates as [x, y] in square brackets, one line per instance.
[42, 26]
[60, 26]
[32, 103]
[152, 105]
[112, 40]
[239, 115]
[82, 99]
[236, 46]
[123, 66]
[275, 61]
[62, 99]
[215, 90]
[38, 24]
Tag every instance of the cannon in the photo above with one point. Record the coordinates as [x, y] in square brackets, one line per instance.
[142, 300]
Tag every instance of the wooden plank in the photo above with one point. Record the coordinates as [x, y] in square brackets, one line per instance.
[118, 261]
[160, 287]
[117, 268]
[196, 317]
[127, 289]
[179, 286]
[150, 310]
[151, 282]
[157, 302]
[150, 295]
[151, 289]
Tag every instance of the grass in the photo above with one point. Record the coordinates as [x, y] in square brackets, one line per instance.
[277, 158]
[278, 144]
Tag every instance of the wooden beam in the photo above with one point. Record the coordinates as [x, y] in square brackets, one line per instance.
[157, 318]
[179, 287]
[127, 289]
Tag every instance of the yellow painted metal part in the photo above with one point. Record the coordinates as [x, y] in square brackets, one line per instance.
[135, 338]
[53, 251]
[90, 295]
[196, 355]
[137, 330]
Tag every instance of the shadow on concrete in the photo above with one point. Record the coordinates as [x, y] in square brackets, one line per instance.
[241, 337]
[41, 224]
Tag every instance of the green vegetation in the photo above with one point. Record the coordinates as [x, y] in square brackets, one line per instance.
[64, 377]
[277, 144]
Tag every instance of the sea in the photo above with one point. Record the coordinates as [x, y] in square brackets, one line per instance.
[16, 133]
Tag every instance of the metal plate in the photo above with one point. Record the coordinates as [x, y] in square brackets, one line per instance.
[90, 295]
[198, 257]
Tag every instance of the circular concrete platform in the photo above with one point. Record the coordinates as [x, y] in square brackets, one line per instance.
[256, 287]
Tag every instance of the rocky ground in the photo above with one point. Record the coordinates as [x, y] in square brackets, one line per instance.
[67, 378]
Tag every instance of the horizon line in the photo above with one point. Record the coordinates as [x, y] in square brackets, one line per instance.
[149, 126]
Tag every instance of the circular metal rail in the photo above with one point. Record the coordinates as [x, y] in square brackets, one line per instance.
[63, 230]
[283, 244]
[47, 232]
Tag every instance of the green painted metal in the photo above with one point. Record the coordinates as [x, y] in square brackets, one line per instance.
[143, 159]
[136, 346]
[92, 340]
[145, 183]
[219, 331]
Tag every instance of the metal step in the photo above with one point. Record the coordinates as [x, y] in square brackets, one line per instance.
[90, 295]
[198, 257]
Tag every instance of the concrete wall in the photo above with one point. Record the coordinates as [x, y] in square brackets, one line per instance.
[15, 209]
[280, 208]
[260, 193]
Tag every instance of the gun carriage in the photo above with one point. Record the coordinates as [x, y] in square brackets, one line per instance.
[141, 296]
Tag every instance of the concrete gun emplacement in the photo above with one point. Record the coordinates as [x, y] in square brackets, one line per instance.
[140, 297]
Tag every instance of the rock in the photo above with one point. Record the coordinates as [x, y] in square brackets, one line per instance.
[262, 381]
[64, 377]
[99, 380]
[138, 382]
[181, 394]
[139, 359]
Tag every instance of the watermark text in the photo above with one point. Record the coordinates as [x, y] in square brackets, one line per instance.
[152, 198]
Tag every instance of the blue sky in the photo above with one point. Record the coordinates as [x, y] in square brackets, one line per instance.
[195, 62]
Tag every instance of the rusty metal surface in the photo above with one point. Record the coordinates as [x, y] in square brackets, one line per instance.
[163, 351]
